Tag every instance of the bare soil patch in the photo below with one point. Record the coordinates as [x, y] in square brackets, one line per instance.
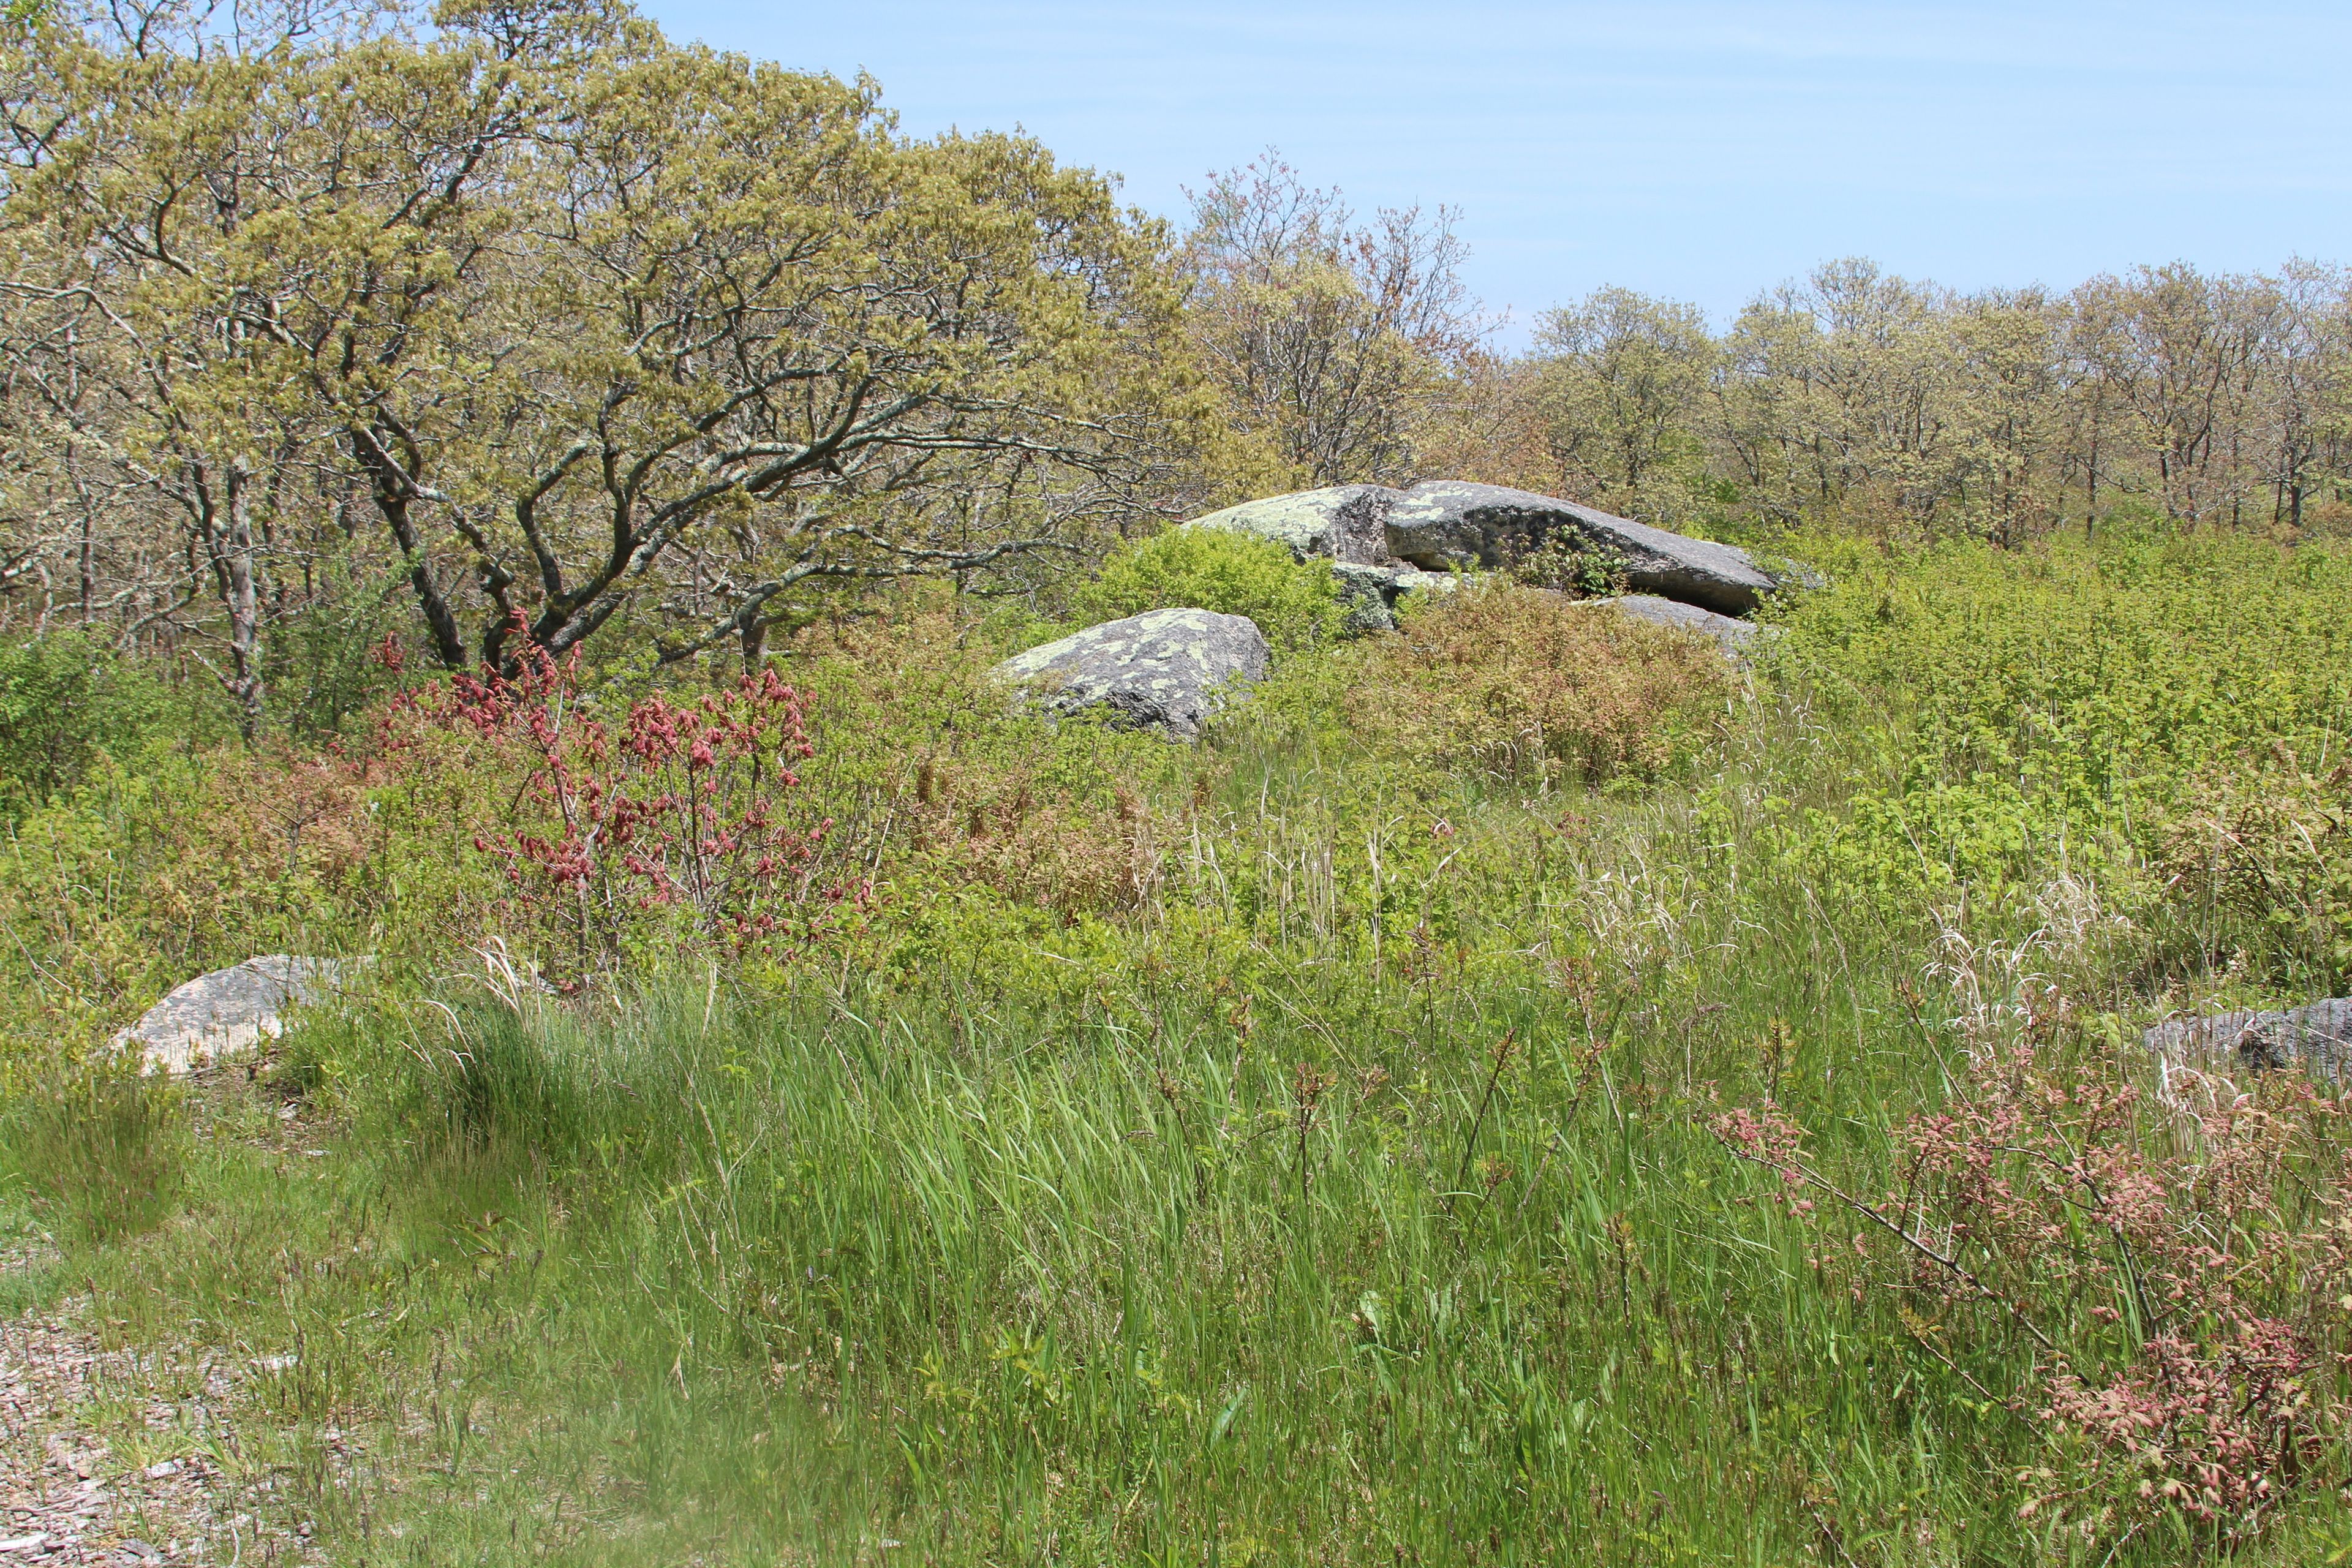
[126, 1458]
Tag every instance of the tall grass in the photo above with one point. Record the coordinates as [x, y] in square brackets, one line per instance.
[1007, 1274]
[99, 1155]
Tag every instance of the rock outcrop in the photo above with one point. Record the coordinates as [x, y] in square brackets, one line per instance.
[1385, 543]
[1166, 672]
[230, 1010]
[2317, 1036]
[1373, 593]
[1450, 524]
[1338, 522]
[1737, 637]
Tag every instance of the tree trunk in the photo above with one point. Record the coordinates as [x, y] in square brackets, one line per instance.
[241, 597]
[392, 499]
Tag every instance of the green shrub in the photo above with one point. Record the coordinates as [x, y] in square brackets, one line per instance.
[63, 699]
[136, 879]
[2003, 714]
[1560, 564]
[2255, 863]
[1296, 604]
[324, 670]
[1519, 683]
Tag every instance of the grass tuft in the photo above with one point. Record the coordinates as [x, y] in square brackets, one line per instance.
[99, 1152]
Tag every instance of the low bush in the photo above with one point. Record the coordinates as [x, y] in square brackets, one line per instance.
[1295, 603]
[598, 833]
[674, 825]
[938, 782]
[65, 698]
[2258, 860]
[1993, 719]
[1559, 563]
[138, 880]
[2177, 1260]
[325, 677]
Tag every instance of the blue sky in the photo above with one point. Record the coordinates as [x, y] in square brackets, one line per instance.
[1703, 152]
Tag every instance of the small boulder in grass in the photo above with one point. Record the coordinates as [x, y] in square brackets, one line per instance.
[1167, 671]
[217, 1016]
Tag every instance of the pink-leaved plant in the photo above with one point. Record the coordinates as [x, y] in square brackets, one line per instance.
[2174, 1271]
[681, 810]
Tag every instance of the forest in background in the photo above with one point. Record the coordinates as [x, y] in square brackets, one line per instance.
[1853, 399]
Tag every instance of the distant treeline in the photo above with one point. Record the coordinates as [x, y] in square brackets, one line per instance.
[2208, 399]
[508, 322]
[1852, 396]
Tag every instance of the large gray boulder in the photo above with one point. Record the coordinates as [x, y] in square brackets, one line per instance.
[1736, 637]
[1451, 522]
[1372, 535]
[2317, 1036]
[1338, 522]
[1166, 670]
[230, 1010]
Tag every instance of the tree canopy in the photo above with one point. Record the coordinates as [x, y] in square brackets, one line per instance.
[570, 321]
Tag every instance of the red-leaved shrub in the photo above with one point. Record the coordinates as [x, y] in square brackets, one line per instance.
[674, 825]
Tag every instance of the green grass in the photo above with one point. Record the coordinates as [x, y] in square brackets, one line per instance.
[1350, 1201]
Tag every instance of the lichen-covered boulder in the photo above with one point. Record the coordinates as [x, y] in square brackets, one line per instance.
[1736, 637]
[2317, 1036]
[1166, 670]
[1448, 524]
[1338, 522]
[1383, 543]
[1370, 594]
[230, 1010]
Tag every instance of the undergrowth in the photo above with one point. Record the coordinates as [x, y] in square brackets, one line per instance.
[1604, 1107]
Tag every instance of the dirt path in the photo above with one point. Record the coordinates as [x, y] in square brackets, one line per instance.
[124, 1458]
